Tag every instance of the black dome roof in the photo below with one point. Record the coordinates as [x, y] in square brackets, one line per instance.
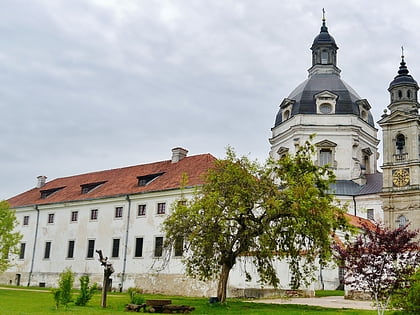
[324, 75]
[403, 77]
[324, 38]
[305, 101]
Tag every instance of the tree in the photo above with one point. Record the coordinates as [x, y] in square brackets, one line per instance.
[8, 238]
[240, 211]
[380, 260]
[86, 291]
[62, 295]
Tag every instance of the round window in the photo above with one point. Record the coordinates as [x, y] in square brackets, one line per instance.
[325, 108]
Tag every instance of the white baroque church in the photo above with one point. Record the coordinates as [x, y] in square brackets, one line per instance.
[63, 221]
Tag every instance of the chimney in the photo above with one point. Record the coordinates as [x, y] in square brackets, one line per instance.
[41, 181]
[178, 154]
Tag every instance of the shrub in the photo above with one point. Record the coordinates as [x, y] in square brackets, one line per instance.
[86, 292]
[408, 298]
[135, 296]
[62, 295]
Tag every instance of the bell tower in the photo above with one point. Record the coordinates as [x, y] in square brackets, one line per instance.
[401, 152]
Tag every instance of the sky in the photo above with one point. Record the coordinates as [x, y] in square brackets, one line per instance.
[101, 84]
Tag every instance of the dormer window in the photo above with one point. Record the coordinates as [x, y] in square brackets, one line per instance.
[325, 103]
[48, 192]
[147, 179]
[325, 108]
[86, 188]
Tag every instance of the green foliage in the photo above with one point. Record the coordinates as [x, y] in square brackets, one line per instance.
[241, 212]
[8, 238]
[56, 294]
[86, 292]
[62, 295]
[135, 296]
[322, 293]
[408, 298]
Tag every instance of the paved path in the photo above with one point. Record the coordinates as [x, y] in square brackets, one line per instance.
[329, 301]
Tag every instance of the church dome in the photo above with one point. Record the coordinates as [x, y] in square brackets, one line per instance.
[324, 83]
[403, 77]
[324, 37]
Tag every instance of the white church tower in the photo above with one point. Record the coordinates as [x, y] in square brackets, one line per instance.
[401, 158]
[324, 105]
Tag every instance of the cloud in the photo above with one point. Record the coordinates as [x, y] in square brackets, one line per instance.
[90, 85]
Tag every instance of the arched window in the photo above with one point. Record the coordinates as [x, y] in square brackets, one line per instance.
[408, 94]
[402, 221]
[286, 115]
[324, 57]
[399, 94]
[400, 143]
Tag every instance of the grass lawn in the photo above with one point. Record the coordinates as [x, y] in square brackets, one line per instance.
[22, 302]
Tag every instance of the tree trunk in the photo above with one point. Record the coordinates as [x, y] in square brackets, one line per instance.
[222, 286]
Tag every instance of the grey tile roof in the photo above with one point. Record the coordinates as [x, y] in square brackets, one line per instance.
[349, 188]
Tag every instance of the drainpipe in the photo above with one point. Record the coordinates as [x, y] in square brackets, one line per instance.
[35, 240]
[355, 206]
[126, 242]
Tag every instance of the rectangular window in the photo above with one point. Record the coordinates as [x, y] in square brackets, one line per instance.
[115, 247]
[26, 220]
[325, 157]
[51, 218]
[179, 247]
[118, 212]
[161, 208]
[22, 251]
[370, 214]
[70, 250]
[47, 250]
[158, 246]
[91, 249]
[74, 215]
[139, 247]
[94, 214]
[141, 210]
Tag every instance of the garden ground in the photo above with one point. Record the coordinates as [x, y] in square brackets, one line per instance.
[23, 301]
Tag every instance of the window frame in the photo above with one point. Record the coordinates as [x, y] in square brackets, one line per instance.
[50, 218]
[74, 216]
[25, 220]
[116, 242]
[179, 245]
[370, 214]
[159, 207]
[143, 211]
[47, 249]
[136, 247]
[93, 217]
[89, 249]
[71, 244]
[22, 250]
[118, 213]
[158, 248]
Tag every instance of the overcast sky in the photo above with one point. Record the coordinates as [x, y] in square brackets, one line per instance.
[100, 84]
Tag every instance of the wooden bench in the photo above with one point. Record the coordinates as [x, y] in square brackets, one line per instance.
[156, 306]
[160, 306]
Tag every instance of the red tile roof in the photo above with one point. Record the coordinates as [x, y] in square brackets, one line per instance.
[357, 222]
[120, 181]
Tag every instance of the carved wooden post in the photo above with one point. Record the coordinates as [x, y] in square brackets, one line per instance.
[108, 271]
